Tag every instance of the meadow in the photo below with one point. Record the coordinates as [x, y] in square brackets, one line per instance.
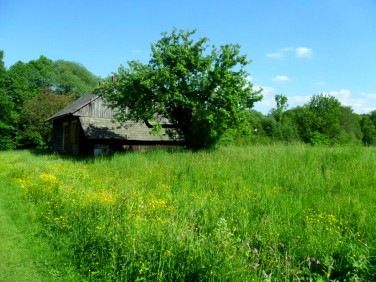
[257, 213]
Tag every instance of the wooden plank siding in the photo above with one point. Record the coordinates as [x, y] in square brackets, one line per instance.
[97, 108]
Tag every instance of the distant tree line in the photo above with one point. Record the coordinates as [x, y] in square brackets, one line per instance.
[31, 92]
[321, 121]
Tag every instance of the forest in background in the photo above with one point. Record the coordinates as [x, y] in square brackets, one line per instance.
[31, 92]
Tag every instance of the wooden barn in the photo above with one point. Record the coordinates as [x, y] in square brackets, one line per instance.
[87, 127]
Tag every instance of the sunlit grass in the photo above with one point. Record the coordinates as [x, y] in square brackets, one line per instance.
[246, 213]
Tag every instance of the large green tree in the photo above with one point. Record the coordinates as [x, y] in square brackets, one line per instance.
[201, 92]
[323, 120]
[72, 78]
[26, 79]
[320, 123]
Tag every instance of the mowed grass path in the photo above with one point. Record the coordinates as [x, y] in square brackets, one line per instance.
[16, 263]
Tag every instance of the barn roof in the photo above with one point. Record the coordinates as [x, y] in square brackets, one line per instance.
[99, 128]
[74, 106]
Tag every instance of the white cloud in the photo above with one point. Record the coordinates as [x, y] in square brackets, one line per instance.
[136, 51]
[369, 95]
[364, 103]
[295, 101]
[267, 101]
[266, 90]
[304, 52]
[342, 94]
[277, 55]
[280, 78]
[300, 52]
[320, 83]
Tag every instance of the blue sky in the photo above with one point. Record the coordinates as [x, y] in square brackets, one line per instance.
[298, 47]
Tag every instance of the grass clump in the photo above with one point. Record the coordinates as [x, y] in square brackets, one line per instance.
[265, 212]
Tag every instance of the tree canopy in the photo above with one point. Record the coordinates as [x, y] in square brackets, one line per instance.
[200, 91]
[72, 78]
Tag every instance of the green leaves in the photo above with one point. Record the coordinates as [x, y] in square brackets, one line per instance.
[72, 78]
[200, 92]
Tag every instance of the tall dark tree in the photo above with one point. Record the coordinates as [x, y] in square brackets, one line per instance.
[200, 92]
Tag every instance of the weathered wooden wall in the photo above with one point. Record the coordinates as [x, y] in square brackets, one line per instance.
[95, 109]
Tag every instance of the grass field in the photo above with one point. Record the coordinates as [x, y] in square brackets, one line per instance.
[262, 213]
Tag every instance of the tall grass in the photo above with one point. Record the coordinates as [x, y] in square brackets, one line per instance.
[265, 213]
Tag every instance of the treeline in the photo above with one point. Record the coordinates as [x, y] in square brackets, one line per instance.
[31, 92]
[321, 121]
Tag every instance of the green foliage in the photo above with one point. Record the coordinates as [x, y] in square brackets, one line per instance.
[200, 92]
[26, 79]
[2, 66]
[258, 134]
[71, 78]
[282, 105]
[318, 138]
[8, 117]
[372, 117]
[237, 214]
[37, 110]
[325, 121]
[285, 129]
[368, 130]
[62, 77]
[350, 122]
[7, 134]
[323, 117]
